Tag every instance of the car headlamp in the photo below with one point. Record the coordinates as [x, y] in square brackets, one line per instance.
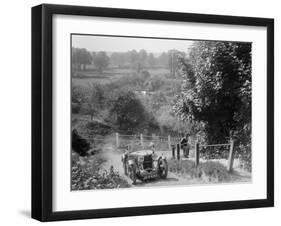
[140, 158]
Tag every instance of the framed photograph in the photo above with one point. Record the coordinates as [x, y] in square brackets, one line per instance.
[145, 112]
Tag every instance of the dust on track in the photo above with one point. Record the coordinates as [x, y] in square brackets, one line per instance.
[113, 158]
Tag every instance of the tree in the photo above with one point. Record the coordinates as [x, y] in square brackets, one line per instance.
[171, 123]
[217, 90]
[101, 61]
[129, 112]
[133, 57]
[173, 60]
[96, 99]
[117, 59]
[163, 59]
[142, 58]
[80, 57]
[151, 60]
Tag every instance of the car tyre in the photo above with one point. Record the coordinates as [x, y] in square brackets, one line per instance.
[132, 173]
[125, 166]
[163, 168]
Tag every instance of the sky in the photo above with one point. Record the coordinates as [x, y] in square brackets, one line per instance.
[123, 44]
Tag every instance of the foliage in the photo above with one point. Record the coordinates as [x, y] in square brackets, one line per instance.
[218, 152]
[217, 91]
[96, 99]
[79, 144]
[75, 108]
[218, 87]
[101, 61]
[243, 148]
[134, 81]
[128, 112]
[158, 83]
[154, 83]
[151, 60]
[173, 58]
[169, 122]
[79, 94]
[158, 99]
[87, 174]
[100, 101]
[142, 59]
[80, 57]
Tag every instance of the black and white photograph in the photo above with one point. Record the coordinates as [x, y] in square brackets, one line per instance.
[147, 112]
[152, 112]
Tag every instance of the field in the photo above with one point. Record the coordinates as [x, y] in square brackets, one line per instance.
[85, 78]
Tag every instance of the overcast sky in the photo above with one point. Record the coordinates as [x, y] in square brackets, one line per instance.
[123, 44]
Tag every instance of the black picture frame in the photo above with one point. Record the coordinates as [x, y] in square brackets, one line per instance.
[42, 107]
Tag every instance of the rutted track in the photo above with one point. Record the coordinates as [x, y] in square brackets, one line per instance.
[113, 158]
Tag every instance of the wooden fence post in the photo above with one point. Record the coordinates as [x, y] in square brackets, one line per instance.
[231, 156]
[173, 152]
[117, 140]
[169, 142]
[178, 151]
[196, 153]
[141, 140]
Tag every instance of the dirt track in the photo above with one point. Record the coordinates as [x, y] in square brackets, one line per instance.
[113, 158]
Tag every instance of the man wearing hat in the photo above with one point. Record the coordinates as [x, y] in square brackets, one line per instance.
[185, 146]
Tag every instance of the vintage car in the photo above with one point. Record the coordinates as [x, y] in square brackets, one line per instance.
[144, 165]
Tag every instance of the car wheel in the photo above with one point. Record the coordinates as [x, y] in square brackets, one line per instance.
[163, 168]
[132, 173]
[125, 166]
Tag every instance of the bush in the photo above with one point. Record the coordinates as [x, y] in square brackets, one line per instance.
[128, 112]
[79, 144]
[79, 94]
[219, 152]
[87, 174]
[75, 108]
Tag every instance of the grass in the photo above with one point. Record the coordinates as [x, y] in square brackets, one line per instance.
[210, 171]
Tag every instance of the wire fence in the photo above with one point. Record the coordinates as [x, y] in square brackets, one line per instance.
[135, 142]
[171, 146]
[214, 151]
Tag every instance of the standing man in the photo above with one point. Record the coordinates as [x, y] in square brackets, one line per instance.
[152, 146]
[185, 145]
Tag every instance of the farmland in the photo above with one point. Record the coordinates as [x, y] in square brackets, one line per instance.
[84, 78]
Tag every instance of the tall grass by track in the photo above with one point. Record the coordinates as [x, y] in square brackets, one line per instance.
[211, 171]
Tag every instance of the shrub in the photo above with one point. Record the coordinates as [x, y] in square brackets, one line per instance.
[87, 174]
[128, 112]
[75, 108]
[79, 144]
[219, 152]
[79, 94]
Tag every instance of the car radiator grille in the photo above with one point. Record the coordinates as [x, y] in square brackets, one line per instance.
[147, 162]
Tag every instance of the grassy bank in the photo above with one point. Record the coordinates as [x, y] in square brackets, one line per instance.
[213, 172]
